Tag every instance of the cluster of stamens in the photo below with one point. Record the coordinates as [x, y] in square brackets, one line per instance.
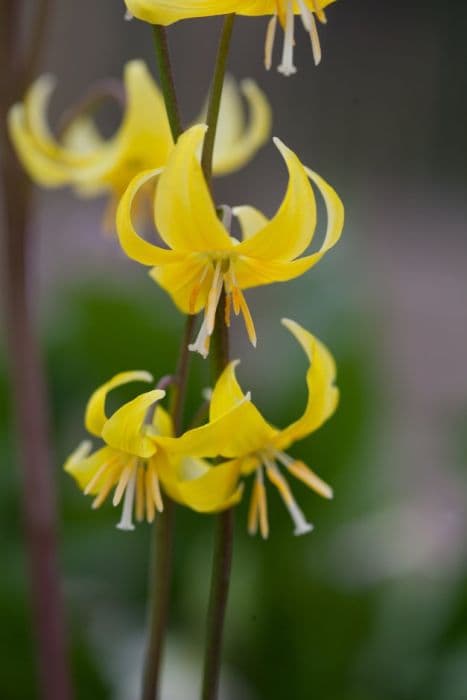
[287, 66]
[136, 484]
[258, 513]
[223, 278]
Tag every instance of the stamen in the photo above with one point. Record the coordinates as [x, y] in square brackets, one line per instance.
[228, 309]
[304, 473]
[269, 43]
[315, 43]
[156, 491]
[302, 526]
[287, 66]
[196, 290]
[90, 485]
[104, 490]
[200, 343]
[126, 521]
[253, 511]
[122, 484]
[213, 298]
[250, 326]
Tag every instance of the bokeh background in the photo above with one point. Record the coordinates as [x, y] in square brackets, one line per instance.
[373, 604]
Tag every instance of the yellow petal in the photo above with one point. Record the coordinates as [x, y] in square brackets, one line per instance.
[251, 220]
[251, 272]
[162, 422]
[132, 243]
[166, 11]
[291, 230]
[236, 142]
[170, 11]
[227, 392]
[322, 393]
[83, 466]
[181, 279]
[124, 429]
[210, 490]
[144, 139]
[185, 214]
[221, 437]
[38, 152]
[95, 417]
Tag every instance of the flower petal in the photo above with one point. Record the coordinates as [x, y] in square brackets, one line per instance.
[181, 279]
[185, 215]
[83, 466]
[124, 429]
[322, 393]
[213, 489]
[144, 139]
[168, 11]
[221, 437]
[132, 243]
[162, 422]
[237, 143]
[95, 417]
[251, 220]
[291, 230]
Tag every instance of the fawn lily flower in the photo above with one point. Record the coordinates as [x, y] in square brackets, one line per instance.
[133, 462]
[202, 258]
[92, 165]
[259, 448]
[169, 11]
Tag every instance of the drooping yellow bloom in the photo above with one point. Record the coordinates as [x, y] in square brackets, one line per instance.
[203, 258]
[170, 11]
[133, 462]
[92, 165]
[259, 448]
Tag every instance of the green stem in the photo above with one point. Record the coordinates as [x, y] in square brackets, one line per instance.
[223, 548]
[167, 80]
[216, 95]
[161, 556]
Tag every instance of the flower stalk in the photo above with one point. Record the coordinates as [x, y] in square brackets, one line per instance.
[161, 557]
[223, 547]
[27, 374]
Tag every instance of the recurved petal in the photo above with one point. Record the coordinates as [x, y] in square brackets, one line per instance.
[38, 152]
[236, 433]
[182, 279]
[144, 137]
[132, 243]
[169, 11]
[227, 392]
[291, 230]
[251, 220]
[95, 416]
[236, 141]
[124, 429]
[322, 392]
[162, 422]
[83, 466]
[185, 215]
[211, 488]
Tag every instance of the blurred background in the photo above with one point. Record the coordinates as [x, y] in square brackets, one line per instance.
[373, 604]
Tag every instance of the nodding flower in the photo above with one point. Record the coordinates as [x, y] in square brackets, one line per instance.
[92, 165]
[284, 11]
[258, 448]
[202, 260]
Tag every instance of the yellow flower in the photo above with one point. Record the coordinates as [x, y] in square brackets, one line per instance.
[133, 462]
[92, 165]
[257, 447]
[203, 258]
[169, 11]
